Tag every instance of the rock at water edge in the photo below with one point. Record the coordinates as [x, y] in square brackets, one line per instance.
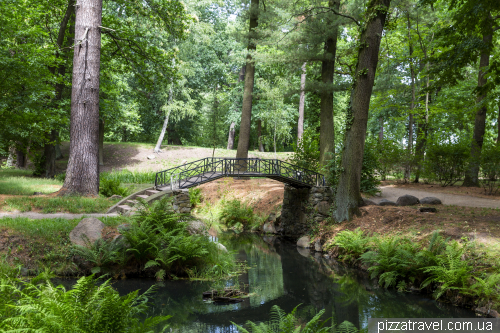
[269, 228]
[304, 242]
[89, 229]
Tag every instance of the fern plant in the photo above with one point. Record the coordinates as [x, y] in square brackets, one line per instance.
[288, 323]
[39, 306]
[450, 272]
[101, 254]
[352, 244]
[487, 290]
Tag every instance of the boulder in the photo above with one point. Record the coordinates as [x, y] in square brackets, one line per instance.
[368, 202]
[196, 227]
[407, 200]
[272, 217]
[323, 208]
[89, 229]
[428, 210]
[304, 242]
[304, 252]
[221, 247]
[430, 201]
[385, 202]
[317, 246]
[269, 228]
[487, 312]
[151, 157]
[115, 196]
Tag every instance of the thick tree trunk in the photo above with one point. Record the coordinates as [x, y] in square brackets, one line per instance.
[412, 107]
[246, 110]
[300, 124]
[327, 131]
[230, 139]
[165, 125]
[82, 174]
[101, 141]
[472, 175]
[348, 197]
[422, 132]
[259, 135]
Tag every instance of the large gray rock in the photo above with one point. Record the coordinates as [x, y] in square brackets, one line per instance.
[368, 202]
[430, 201]
[385, 202]
[196, 227]
[317, 246]
[89, 229]
[151, 157]
[407, 200]
[269, 228]
[221, 247]
[304, 242]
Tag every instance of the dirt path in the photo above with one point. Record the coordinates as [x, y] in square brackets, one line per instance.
[39, 216]
[392, 193]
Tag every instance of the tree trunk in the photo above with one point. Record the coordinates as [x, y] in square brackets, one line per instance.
[246, 110]
[50, 153]
[422, 131]
[259, 135]
[327, 131]
[230, 139]
[20, 159]
[10, 159]
[82, 174]
[348, 197]
[412, 107]
[101, 141]
[300, 124]
[472, 174]
[165, 124]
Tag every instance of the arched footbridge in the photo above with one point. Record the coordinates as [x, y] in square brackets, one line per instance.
[208, 169]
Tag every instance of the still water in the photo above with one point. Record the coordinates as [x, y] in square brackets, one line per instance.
[282, 275]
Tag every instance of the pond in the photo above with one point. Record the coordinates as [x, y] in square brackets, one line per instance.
[283, 275]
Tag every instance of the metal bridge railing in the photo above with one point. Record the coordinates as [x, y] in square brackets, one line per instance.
[201, 171]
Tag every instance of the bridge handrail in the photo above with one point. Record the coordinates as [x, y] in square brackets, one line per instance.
[228, 166]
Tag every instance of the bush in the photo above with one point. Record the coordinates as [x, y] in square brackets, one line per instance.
[109, 187]
[306, 152]
[390, 158]
[195, 196]
[89, 307]
[60, 177]
[235, 214]
[446, 162]
[490, 168]
[352, 244]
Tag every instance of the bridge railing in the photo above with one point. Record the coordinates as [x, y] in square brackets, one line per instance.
[200, 171]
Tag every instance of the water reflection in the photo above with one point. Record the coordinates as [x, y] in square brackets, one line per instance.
[282, 276]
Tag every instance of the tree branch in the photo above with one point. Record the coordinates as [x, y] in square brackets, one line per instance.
[496, 28]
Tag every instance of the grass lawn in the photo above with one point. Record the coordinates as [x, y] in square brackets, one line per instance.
[46, 205]
[20, 182]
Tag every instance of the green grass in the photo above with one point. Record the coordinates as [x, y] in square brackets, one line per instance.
[75, 205]
[19, 182]
[130, 177]
[51, 230]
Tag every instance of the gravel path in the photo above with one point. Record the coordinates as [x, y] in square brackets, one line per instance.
[393, 193]
[39, 216]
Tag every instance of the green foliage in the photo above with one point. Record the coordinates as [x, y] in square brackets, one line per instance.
[450, 271]
[351, 243]
[487, 290]
[130, 177]
[369, 181]
[38, 305]
[282, 322]
[446, 162]
[237, 214]
[101, 254]
[306, 152]
[109, 187]
[60, 177]
[195, 196]
[389, 158]
[490, 168]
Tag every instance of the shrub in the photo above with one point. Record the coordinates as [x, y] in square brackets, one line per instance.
[490, 168]
[446, 162]
[60, 177]
[351, 243]
[101, 254]
[40, 306]
[195, 196]
[306, 152]
[390, 156]
[235, 213]
[109, 187]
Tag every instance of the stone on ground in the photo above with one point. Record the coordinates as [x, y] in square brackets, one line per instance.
[269, 228]
[428, 210]
[430, 201]
[304, 242]
[89, 229]
[368, 202]
[317, 246]
[221, 247]
[196, 227]
[407, 200]
[116, 196]
[385, 202]
[151, 157]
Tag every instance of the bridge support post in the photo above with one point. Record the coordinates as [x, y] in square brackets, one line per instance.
[304, 208]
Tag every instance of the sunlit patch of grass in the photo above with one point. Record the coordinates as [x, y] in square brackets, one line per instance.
[19, 182]
[73, 204]
[131, 177]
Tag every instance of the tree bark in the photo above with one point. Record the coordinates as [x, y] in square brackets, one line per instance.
[259, 135]
[20, 158]
[327, 131]
[165, 124]
[230, 139]
[412, 106]
[300, 124]
[82, 174]
[472, 174]
[101, 141]
[246, 110]
[10, 158]
[348, 197]
[422, 131]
